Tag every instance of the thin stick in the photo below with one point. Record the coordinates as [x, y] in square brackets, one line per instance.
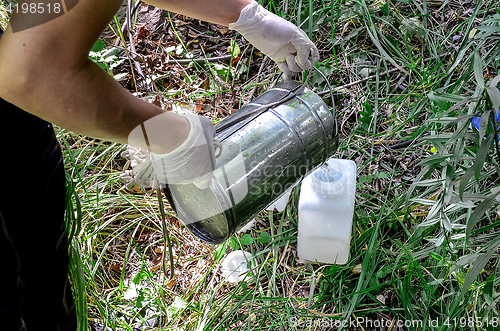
[166, 238]
[132, 45]
[125, 24]
[264, 61]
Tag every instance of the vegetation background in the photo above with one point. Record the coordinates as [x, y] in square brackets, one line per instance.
[417, 99]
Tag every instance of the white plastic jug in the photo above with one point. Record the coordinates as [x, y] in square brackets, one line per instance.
[326, 207]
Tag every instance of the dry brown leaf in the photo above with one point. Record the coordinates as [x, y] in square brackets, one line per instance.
[171, 283]
[357, 269]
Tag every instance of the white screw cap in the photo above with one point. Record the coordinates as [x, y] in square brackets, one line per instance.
[236, 265]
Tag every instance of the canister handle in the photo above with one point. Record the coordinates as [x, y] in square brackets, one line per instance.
[256, 112]
[331, 91]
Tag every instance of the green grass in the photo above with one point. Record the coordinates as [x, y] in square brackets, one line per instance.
[4, 17]
[425, 232]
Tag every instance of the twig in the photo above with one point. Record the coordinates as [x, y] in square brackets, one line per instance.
[402, 144]
[166, 238]
[264, 61]
[132, 45]
[125, 24]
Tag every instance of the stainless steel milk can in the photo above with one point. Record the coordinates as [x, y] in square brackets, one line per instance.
[268, 146]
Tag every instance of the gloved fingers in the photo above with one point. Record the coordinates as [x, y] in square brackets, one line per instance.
[148, 178]
[125, 154]
[139, 166]
[292, 64]
[139, 177]
[302, 57]
[142, 154]
[287, 74]
[144, 178]
[127, 177]
[314, 56]
[141, 172]
[307, 53]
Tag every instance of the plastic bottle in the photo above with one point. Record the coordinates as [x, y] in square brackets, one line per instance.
[326, 207]
[237, 265]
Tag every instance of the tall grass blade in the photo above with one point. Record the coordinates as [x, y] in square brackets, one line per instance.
[465, 180]
[483, 125]
[479, 211]
[478, 70]
[479, 265]
[482, 153]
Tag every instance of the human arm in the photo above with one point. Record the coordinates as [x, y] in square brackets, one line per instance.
[220, 12]
[46, 71]
[279, 39]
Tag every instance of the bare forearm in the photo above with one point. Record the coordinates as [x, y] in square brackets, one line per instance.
[45, 70]
[91, 103]
[216, 11]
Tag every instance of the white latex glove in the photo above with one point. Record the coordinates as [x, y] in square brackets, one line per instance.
[193, 161]
[279, 39]
[142, 173]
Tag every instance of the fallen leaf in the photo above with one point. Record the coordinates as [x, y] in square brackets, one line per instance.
[357, 269]
[156, 267]
[222, 29]
[198, 107]
[235, 59]
[116, 267]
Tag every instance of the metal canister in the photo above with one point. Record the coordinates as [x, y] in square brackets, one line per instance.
[268, 146]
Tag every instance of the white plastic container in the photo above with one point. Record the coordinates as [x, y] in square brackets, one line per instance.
[237, 265]
[326, 207]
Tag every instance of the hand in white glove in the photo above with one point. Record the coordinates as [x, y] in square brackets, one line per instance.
[193, 161]
[279, 39]
[142, 173]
